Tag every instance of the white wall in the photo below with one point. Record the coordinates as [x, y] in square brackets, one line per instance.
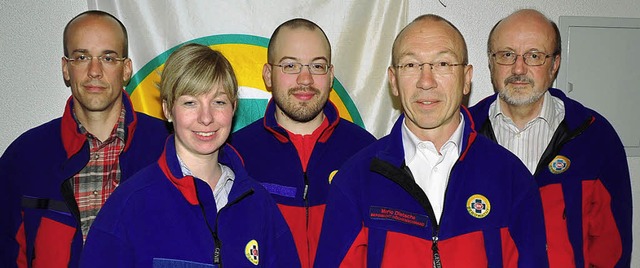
[33, 91]
[31, 84]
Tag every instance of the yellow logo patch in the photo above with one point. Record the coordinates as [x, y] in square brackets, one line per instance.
[559, 164]
[251, 252]
[478, 206]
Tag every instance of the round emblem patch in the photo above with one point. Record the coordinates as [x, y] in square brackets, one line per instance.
[251, 252]
[478, 206]
[559, 164]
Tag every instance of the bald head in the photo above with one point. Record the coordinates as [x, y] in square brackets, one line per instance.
[528, 20]
[293, 24]
[93, 14]
[426, 22]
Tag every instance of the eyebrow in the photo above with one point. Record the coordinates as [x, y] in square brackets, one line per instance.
[529, 50]
[298, 60]
[85, 51]
[438, 54]
[220, 93]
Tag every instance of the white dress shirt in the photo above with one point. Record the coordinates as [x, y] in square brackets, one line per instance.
[530, 142]
[429, 167]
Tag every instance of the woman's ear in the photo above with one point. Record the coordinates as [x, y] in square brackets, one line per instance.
[165, 110]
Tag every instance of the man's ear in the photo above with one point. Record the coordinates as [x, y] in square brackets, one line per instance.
[331, 73]
[266, 75]
[468, 74]
[65, 72]
[391, 72]
[127, 71]
[556, 65]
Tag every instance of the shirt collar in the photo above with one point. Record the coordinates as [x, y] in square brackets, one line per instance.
[410, 141]
[227, 173]
[117, 132]
[226, 177]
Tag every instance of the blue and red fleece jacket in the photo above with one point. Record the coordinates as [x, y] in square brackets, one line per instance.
[160, 218]
[40, 218]
[272, 159]
[585, 185]
[377, 216]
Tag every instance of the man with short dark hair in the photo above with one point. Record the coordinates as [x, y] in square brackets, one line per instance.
[295, 149]
[573, 152]
[57, 176]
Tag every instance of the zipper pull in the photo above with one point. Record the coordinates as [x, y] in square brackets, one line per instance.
[216, 255]
[304, 194]
[217, 258]
[436, 255]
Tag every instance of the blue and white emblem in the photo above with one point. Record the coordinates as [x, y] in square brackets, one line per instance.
[559, 164]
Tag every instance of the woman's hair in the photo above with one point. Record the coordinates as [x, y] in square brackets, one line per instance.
[194, 69]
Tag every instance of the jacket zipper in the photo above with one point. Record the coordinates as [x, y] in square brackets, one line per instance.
[404, 178]
[434, 248]
[306, 210]
[217, 251]
[437, 263]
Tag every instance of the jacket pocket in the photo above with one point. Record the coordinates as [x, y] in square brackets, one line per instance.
[48, 230]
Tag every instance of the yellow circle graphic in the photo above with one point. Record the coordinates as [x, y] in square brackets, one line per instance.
[247, 54]
[478, 206]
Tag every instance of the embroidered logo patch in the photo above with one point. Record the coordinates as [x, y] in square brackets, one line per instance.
[478, 206]
[559, 164]
[382, 213]
[251, 252]
[331, 175]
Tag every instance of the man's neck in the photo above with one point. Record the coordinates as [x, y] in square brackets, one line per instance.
[521, 114]
[99, 123]
[296, 127]
[438, 136]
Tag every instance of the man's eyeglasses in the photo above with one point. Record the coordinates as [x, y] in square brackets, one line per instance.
[296, 68]
[82, 60]
[436, 68]
[531, 58]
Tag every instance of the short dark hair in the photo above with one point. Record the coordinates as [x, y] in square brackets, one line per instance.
[431, 17]
[96, 13]
[293, 24]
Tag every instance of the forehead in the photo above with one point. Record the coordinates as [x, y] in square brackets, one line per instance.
[429, 39]
[95, 33]
[524, 34]
[201, 88]
[301, 43]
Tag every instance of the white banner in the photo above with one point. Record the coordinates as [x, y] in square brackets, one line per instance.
[361, 33]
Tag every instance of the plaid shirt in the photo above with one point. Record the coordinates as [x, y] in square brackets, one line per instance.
[99, 178]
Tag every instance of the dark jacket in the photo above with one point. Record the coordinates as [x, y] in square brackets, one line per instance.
[160, 218]
[40, 218]
[377, 216]
[585, 185]
[272, 159]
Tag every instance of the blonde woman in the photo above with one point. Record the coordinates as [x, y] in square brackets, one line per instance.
[195, 207]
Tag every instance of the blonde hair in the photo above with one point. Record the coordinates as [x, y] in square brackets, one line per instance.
[194, 69]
